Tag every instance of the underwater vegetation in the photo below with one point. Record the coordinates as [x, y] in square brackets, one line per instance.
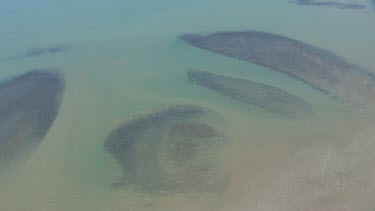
[29, 105]
[327, 4]
[315, 66]
[269, 98]
[37, 51]
[173, 149]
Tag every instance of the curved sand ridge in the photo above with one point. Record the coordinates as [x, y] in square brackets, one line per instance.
[317, 67]
[269, 98]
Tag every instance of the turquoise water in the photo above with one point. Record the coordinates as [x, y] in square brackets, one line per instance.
[127, 59]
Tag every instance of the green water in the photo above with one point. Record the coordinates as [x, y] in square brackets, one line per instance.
[127, 59]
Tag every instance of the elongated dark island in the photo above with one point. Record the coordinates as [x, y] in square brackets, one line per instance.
[37, 52]
[264, 96]
[29, 105]
[168, 150]
[319, 68]
[332, 4]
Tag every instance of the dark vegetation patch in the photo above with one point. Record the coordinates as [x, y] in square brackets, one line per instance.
[169, 150]
[29, 105]
[269, 98]
[332, 4]
[38, 51]
[319, 68]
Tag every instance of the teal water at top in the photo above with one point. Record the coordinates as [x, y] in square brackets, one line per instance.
[140, 37]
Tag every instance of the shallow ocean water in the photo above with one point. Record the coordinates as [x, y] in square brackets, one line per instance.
[126, 59]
